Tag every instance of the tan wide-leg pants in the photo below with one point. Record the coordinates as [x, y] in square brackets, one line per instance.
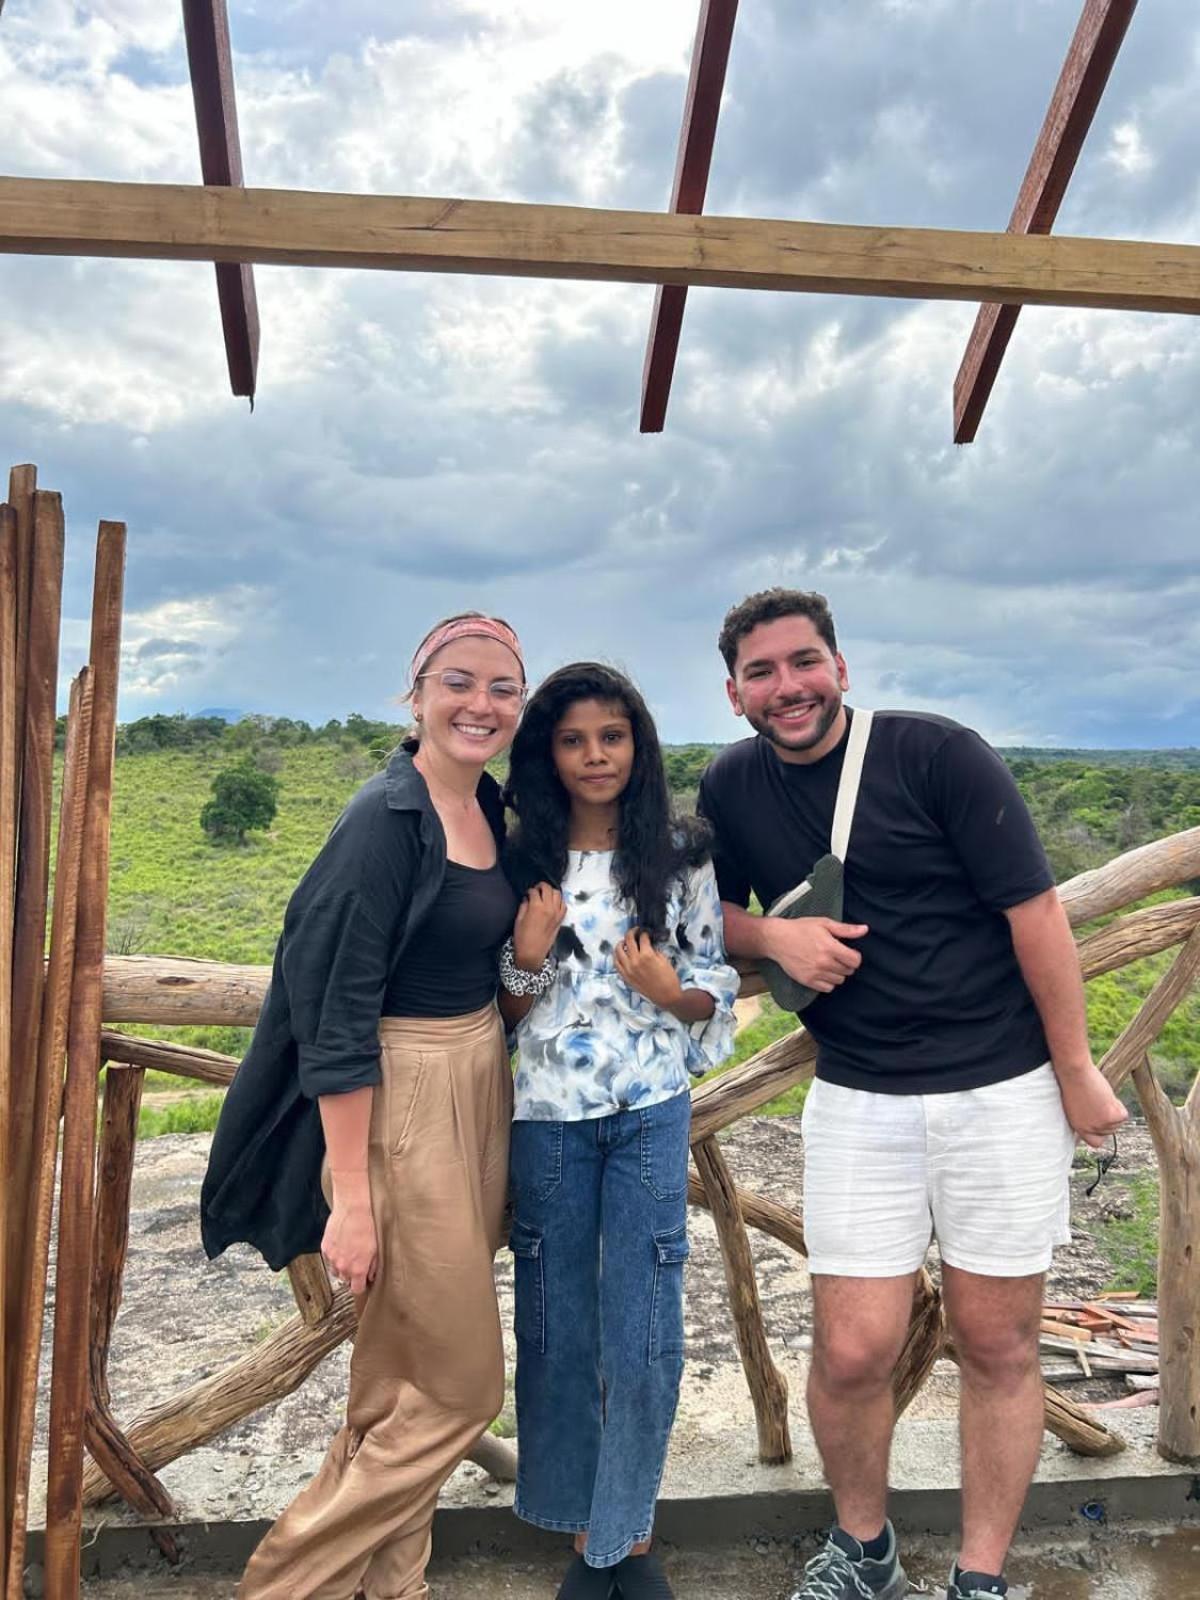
[427, 1373]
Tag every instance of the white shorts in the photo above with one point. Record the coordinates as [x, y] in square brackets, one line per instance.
[986, 1171]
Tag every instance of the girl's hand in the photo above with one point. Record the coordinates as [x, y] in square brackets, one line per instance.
[647, 970]
[349, 1244]
[537, 925]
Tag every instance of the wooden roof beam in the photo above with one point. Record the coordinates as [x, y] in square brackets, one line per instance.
[288, 227]
[1081, 83]
[710, 57]
[210, 63]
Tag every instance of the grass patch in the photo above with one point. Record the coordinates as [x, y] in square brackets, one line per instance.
[197, 1114]
[1131, 1241]
[770, 1024]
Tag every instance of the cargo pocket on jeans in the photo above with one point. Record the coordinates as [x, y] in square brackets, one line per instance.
[529, 1287]
[664, 1146]
[666, 1311]
[536, 1158]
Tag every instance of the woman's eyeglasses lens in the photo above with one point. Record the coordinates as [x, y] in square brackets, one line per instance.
[505, 691]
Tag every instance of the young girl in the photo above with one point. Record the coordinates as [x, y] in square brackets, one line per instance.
[617, 981]
[380, 1049]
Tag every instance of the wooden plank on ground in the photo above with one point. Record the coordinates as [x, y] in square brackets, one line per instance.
[1081, 83]
[706, 83]
[54, 216]
[210, 63]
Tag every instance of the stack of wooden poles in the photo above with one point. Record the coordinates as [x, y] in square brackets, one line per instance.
[49, 1010]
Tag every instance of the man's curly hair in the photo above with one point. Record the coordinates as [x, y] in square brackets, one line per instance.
[768, 605]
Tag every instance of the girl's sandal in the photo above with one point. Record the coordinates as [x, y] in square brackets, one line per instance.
[643, 1578]
[586, 1583]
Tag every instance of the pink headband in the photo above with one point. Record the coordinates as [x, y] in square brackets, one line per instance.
[465, 628]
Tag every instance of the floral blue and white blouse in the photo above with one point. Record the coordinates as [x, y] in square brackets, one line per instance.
[591, 1045]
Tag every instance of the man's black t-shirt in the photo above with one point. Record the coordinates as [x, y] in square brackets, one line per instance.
[942, 846]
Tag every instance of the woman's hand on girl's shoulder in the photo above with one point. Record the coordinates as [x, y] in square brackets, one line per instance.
[538, 920]
[647, 970]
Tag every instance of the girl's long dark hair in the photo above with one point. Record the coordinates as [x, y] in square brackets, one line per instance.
[653, 847]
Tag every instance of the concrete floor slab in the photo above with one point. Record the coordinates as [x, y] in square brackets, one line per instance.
[1142, 1564]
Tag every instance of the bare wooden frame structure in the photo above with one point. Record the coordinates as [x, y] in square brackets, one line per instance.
[702, 107]
[235, 228]
[210, 66]
[1090, 58]
[1085, 73]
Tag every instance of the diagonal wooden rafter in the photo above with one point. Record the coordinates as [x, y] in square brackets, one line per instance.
[210, 63]
[66, 217]
[1081, 83]
[710, 57]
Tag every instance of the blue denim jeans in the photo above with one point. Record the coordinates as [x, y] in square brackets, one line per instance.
[599, 1241]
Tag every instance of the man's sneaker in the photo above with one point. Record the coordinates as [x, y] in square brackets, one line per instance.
[840, 1571]
[974, 1586]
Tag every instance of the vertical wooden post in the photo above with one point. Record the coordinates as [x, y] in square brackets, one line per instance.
[114, 1186]
[8, 849]
[52, 1048]
[114, 1192]
[1176, 1135]
[768, 1387]
[22, 482]
[68, 1391]
[32, 879]
[309, 1278]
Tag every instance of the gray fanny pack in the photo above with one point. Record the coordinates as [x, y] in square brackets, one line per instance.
[820, 894]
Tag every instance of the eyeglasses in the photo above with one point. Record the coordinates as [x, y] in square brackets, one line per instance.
[504, 691]
[1104, 1160]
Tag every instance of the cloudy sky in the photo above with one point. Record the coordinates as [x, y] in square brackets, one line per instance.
[422, 444]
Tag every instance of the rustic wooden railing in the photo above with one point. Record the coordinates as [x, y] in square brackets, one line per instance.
[166, 991]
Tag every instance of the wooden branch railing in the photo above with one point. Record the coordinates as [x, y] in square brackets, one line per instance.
[768, 1386]
[1161, 864]
[176, 991]
[1176, 1135]
[172, 991]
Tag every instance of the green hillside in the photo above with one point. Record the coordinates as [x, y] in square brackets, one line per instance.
[175, 892]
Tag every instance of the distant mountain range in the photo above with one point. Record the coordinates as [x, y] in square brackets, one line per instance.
[226, 713]
[1185, 759]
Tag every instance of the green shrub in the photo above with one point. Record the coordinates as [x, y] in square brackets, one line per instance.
[770, 1024]
[244, 798]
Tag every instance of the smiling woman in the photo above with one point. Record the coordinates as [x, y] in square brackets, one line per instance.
[376, 1090]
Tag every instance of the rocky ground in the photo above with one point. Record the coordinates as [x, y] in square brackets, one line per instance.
[184, 1318]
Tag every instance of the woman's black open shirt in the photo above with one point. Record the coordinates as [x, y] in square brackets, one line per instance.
[346, 928]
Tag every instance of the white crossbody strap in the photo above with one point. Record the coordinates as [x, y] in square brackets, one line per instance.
[847, 795]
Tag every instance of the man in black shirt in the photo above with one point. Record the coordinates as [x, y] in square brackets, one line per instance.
[953, 1069]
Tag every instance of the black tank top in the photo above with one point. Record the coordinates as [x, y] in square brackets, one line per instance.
[449, 967]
